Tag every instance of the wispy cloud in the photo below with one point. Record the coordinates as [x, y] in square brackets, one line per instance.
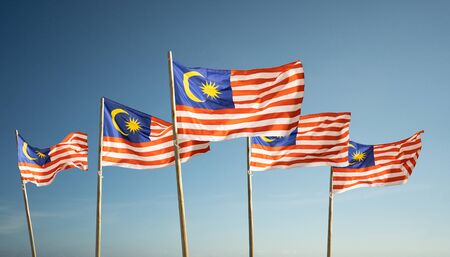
[11, 221]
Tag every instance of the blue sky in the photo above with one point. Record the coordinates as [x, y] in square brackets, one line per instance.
[387, 62]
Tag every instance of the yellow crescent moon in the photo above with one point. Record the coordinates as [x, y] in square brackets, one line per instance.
[24, 150]
[187, 89]
[113, 117]
[266, 139]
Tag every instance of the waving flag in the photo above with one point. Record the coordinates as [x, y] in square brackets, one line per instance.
[214, 105]
[40, 165]
[136, 140]
[320, 139]
[378, 165]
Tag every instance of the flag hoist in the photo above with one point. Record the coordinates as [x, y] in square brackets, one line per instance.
[98, 234]
[184, 240]
[319, 140]
[136, 140]
[41, 165]
[221, 104]
[372, 166]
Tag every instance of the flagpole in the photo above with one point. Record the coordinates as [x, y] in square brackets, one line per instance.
[27, 209]
[330, 213]
[184, 241]
[250, 199]
[99, 184]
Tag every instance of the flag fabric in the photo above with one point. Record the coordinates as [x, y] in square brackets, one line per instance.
[41, 165]
[214, 105]
[378, 165]
[136, 140]
[320, 140]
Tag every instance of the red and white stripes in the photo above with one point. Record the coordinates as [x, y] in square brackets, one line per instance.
[394, 163]
[322, 140]
[154, 154]
[72, 152]
[267, 103]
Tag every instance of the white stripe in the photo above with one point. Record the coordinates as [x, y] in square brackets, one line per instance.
[358, 173]
[144, 167]
[370, 185]
[322, 133]
[232, 116]
[310, 164]
[157, 157]
[64, 154]
[263, 75]
[275, 133]
[37, 177]
[141, 149]
[297, 158]
[322, 119]
[291, 84]
[303, 129]
[368, 180]
[299, 150]
[398, 151]
[322, 142]
[49, 168]
[249, 124]
[73, 148]
[291, 96]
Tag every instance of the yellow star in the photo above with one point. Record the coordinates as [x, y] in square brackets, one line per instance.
[359, 156]
[210, 90]
[41, 155]
[133, 125]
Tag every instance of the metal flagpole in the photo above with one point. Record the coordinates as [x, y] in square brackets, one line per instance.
[330, 213]
[99, 184]
[250, 199]
[184, 241]
[27, 209]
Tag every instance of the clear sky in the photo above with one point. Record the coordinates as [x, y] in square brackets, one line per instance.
[385, 61]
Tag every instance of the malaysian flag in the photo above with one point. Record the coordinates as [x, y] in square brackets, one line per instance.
[40, 165]
[320, 140]
[214, 105]
[378, 165]
[136, 140]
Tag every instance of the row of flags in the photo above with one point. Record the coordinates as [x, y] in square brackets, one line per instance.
[133, 139]
[209, 105]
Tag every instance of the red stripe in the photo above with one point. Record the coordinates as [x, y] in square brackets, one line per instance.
[292, 162]
[381, 181]
[237, 84]
[69, 149]
[284, 127]
[153, 163]
[288, 66]
[76, 164]
[299, 147]
[325, 115]
[299, 155]
[289, 102]
[271, 96]
[53, 161]
[275, 115]
[142, 144]
[164, 150]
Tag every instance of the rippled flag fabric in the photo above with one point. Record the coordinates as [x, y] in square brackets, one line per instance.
[41, 165]
[378, 165]
[136, 140]
[214, 105]
[320, 140]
